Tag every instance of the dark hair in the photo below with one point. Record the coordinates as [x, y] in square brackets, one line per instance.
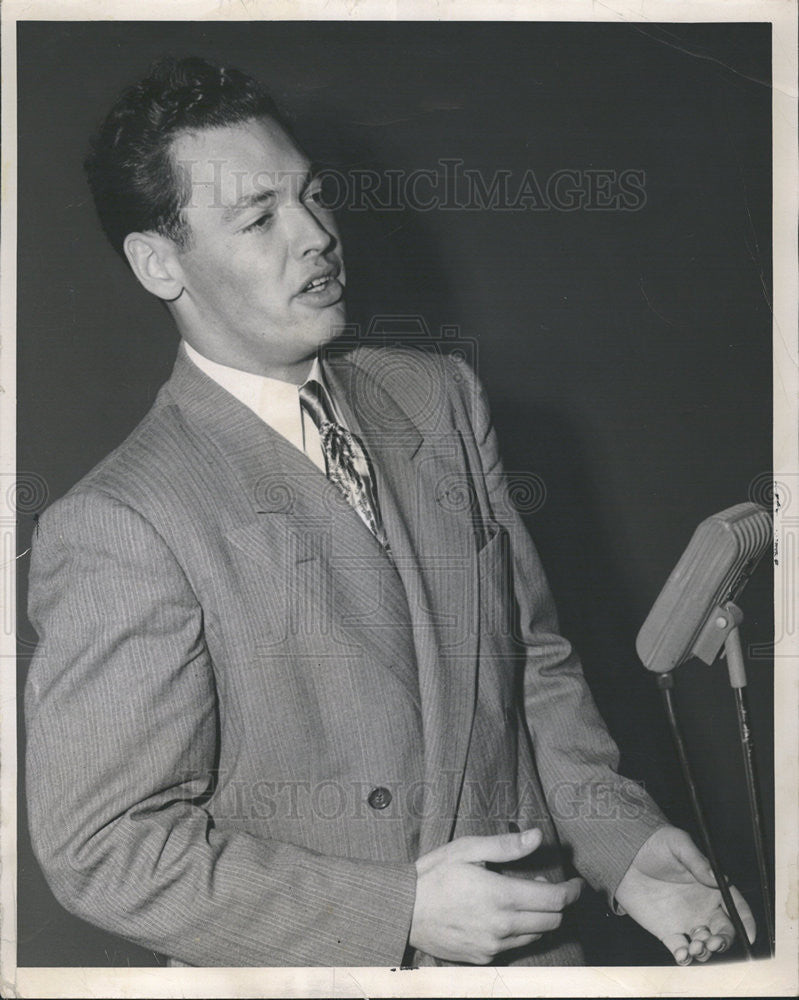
[135, 184]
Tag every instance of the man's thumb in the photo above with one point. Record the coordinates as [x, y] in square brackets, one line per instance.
[502, 847]
[694, 860]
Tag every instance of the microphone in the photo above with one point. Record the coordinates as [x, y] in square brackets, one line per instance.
[690, 616]
[695, 615]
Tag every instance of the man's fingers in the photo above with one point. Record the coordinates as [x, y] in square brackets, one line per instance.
[678, 946]
[717, 943]
[520, 941]
[502, 847]
[524, 922]
[536, 896]
[721, 929]
[698, 946]
[721, 925]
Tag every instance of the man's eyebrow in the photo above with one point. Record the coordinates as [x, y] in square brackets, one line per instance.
[246, 201]
[262, 195]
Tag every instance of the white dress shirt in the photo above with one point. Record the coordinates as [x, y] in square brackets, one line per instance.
[277, 403]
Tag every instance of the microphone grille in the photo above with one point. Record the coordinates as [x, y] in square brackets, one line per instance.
[723, 552]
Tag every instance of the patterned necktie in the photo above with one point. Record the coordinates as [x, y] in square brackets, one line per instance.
[346, 461]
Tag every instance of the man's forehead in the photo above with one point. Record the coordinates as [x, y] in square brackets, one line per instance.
[232, 165]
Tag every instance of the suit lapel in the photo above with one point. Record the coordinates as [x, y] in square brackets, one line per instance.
[420, 479]
[294, 521]
[275, 477]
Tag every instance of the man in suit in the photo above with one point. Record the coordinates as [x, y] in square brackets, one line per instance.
[300, 696]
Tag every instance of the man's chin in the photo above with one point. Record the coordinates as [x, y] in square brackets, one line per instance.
[334, 324]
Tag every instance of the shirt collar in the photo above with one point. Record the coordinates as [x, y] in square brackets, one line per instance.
[276, 402]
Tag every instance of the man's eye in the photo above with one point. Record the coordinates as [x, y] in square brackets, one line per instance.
[260, 223]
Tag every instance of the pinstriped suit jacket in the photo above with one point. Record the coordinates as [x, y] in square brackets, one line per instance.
[229, 665]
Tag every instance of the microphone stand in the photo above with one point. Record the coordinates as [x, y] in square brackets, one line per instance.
[737, 674]
[720, 630]
[666, 684]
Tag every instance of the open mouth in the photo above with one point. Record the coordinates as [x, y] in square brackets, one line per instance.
[323, 289]
[318, 284]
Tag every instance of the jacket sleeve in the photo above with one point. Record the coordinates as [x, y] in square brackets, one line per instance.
[603, 817]
[122, 724]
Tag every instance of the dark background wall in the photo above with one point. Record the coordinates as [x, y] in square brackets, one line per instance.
[627, 354]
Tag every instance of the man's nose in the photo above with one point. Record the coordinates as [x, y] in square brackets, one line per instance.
[308, 235]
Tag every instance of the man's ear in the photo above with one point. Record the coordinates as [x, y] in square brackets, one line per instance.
[153, 260]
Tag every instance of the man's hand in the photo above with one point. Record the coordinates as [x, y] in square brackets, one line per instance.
[465, 913]
[670, 890]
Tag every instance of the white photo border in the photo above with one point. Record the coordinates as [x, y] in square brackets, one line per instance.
[778, 976]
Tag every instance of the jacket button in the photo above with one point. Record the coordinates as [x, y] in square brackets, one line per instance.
[379, 798]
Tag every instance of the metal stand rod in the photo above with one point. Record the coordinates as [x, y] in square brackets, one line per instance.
[737, 671]
[666, 683]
